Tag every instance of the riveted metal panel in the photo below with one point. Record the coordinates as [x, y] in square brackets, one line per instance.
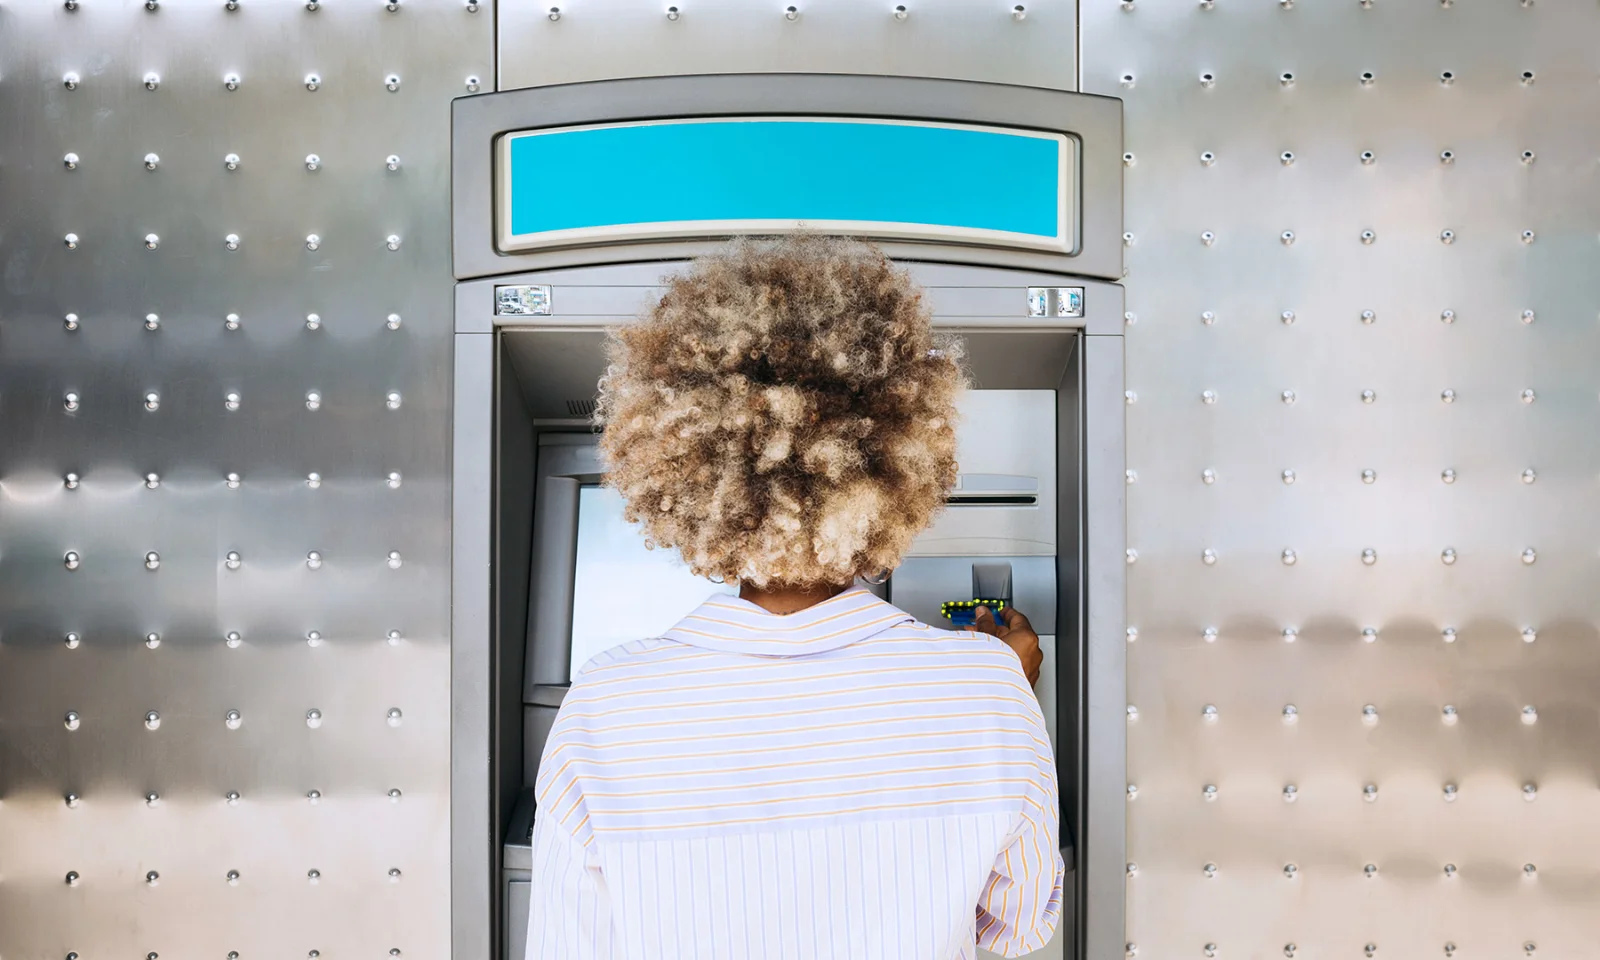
[1310, 365]
[308, 436]
[1032, 44]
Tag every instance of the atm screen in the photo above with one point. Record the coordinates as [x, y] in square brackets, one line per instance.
[621, 590]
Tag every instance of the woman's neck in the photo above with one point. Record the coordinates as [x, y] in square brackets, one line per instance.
[780, 599]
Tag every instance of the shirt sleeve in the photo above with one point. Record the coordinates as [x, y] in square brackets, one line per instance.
[569, 913]
[1021, 903]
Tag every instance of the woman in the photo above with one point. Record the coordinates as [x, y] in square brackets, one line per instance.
[803, 770]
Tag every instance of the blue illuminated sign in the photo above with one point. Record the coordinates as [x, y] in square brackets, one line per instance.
[709, 177]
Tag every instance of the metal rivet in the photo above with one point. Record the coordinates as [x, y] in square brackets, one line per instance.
[1287, 316]
[392, 400]
[1529, 635]
[233, 639]
[1286, 79]
[1128, 160]
[395, 716]
[1289, 872]
[1527, 236]
[394, 560]
[1530, 948]
[1208, 317]
[1448, 475]
[71, 402]
[152, 561]
[70, 80]
[1289, 476]
[151, 241]
[1369, 634]
[1210, 950]
[72, 560]
[1450, 793]
[1447, 395]
[1528, 156]
[232, 480]
[72, 720]
[1208, 79]
[1289, 558]
[1530, 871]
[313, 162]
[1290, 634]
[1530, 714]
[1449, 871]
[1369, 714]
[152, 720]
[232, 878]
[1529, 555]
[394, 874]
[1208, 238]
[152, 481]
[1287, 238]
[231, 161]
[393, 321]
[1131, 556]
[1448, 555]
[1133, 791]
[1449, 949]
[1132, 634]
[1368, 396]
[1133, 712]
[72, 801]
[1447, 236]
[1447, 156]
[231, 81]
[1371, 870]
[1130, 475]
[1448, 634]
[152, 640]
[392, 242]
[152, 321]
[1210, 871]
[313, 637]
[313, 321]
[233, 561]
[1128, 80]
[1208, 396]
[232, 797]
[391, 82]
[1291, 793]
[673, 13]
[1527, 78]
[314, 480]
[1530, 792]
[151, 161]
[72, 641]
[1207, 158]
[1131, 869]
[313, 796]
[152, 81]
[394, 795]
[394, 480]
[1286, 158]
[70, 481]
[1019, 13]
[1209, 713]
[1528, 396]
[71, 321]
[72, 878]
[1370, 949]
[1291, 713]
[1449, 714]
[313, 718]
[393, 6]
[1367, 78]
[1208, 476]
[1369, 556]
[1128, 240]
[313, 81]
[231, 401]
[313, 400]
[1447, 77]
[1367, 236]
[1208, 556]
[473, 83]
[313, 875]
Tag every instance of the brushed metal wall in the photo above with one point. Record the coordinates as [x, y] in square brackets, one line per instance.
[1031, 43]
[1364, 521]
[224, 489]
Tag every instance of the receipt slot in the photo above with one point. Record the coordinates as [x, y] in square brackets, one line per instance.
[1023, 273]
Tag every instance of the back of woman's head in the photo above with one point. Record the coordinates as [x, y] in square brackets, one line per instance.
[785, 413]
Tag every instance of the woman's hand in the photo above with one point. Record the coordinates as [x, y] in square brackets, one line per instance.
[1016, 633]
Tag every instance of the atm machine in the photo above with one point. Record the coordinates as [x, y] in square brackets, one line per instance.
[572, 203]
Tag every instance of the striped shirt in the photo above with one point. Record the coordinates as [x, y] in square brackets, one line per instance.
[839, 782]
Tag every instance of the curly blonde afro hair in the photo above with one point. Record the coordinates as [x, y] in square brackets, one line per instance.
[784, 415]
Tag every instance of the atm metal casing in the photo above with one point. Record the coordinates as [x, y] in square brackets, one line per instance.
[520, 378]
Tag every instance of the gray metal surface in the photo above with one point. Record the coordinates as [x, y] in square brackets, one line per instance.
[1489, 635]
[157, 876]
[1095, 121]
[952, 39]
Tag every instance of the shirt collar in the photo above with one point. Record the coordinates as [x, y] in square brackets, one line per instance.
[735, 625]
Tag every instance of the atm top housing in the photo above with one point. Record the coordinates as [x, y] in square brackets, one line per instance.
[547, 260]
